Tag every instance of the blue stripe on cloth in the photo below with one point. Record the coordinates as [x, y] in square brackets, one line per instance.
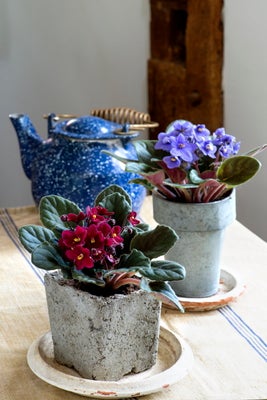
[241, 327]
[245, 331]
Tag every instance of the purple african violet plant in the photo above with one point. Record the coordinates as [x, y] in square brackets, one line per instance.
[188, 163]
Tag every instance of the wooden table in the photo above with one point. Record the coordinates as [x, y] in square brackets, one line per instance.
[229, 344]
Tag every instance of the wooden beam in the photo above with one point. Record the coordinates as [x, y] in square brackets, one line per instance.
[185, 67]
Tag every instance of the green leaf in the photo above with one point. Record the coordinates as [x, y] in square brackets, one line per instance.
[163, 292]
[82, 277]
[180, 185]
[47, 257]
[164, 270]
[116, 156]
[112, 189]
[117, 203]
[32, 236]
[133, 261]
[257, 150]
[146, 152]
[237, 170]
[142, 227]
[52, 207]
[194, 177]
[143, 182]
[156, 242]
[144, 149]
[140, 168]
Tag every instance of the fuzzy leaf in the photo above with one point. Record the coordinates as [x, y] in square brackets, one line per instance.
[164, 270]
[238, 169]
[116, 156]
[143, 182]
[180, 185]
[117, 203]
[52, 207]
[257, 150]
[32, 236]
[153, 178]
[111, 190]
[194, 177]
[156, 242]
[140, 168]
[82, 277]
[135, 260]
[146, 152]
[141, 227]
[163, 292]
[47, 257]
[144, 149]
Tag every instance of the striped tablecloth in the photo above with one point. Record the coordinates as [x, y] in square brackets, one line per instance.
[229, 344]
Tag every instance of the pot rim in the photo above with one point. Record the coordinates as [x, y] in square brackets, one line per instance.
[230, 196]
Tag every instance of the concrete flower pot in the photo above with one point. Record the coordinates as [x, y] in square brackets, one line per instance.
[102, 338]
[200, 227]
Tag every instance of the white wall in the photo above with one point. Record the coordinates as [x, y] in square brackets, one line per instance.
[70, 56]
[66, 57]
[245, 99]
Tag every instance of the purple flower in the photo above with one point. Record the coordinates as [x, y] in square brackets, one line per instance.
[218, 136]
[164, 142]
[236, 147]
[181, 126]
[172, 162]
[226, 144]
[208, 148]
[221, 138]
[201, 133]
[183, 149]
[225, 151]
[228, 150]
[228, 140]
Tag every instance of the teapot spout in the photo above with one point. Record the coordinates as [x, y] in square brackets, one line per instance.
[29, 140]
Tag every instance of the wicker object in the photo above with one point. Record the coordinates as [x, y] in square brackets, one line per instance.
[132, 119]
[135, 120]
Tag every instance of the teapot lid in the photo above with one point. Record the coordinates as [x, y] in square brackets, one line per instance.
[91, 128]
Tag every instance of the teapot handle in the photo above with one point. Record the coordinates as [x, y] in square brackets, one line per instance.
[132, 128]
[130, 119]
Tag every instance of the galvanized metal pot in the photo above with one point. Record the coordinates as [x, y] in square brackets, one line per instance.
[200, 227]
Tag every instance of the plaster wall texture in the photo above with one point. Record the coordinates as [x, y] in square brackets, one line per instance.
[68, 57]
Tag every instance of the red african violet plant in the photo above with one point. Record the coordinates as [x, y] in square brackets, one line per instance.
[104, 249]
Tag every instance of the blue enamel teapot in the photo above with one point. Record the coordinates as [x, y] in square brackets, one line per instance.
[70, 162]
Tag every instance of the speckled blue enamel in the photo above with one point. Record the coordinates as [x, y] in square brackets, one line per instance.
[70, 163]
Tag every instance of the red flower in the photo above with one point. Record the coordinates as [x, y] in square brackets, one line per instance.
[81, 257]
[111, 259]
[104, 227]
[73, 217]
[71, 238]
[104, 211]
[95, 243]
[132, 218]
[115, 234]
[97, 214]
[98, 254]
[95, 237]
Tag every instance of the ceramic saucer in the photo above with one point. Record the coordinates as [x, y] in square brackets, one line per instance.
[230, 288]
[173, 363]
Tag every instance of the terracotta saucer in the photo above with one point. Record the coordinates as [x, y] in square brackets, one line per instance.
[230, 289]
[173, 363]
